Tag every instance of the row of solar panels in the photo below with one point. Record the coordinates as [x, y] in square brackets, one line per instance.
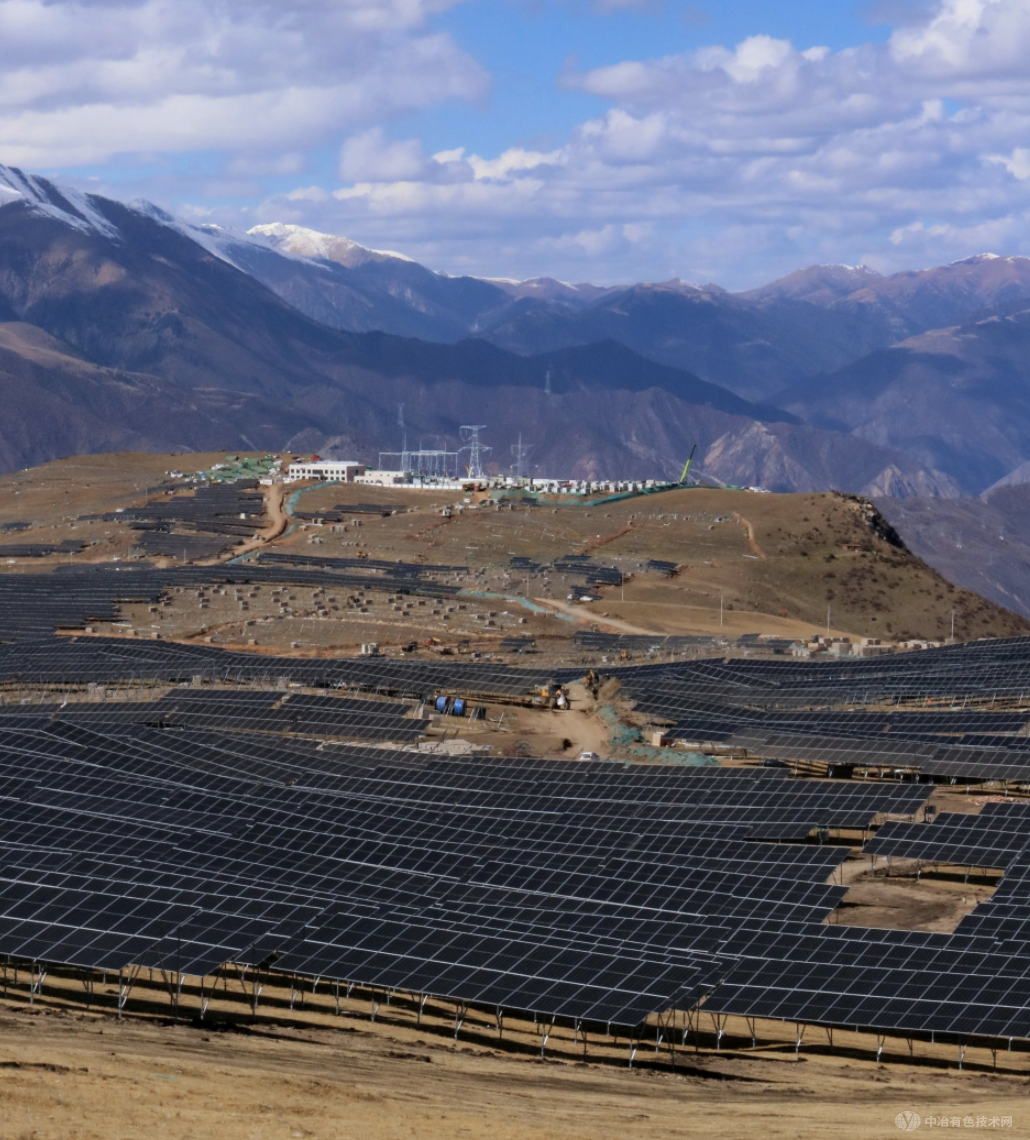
[792, 710]
[33, 606]
[411, 898]
[246, 711]
[565, 889]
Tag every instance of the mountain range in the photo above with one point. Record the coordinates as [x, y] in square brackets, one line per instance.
[122, 326]
[982, 543]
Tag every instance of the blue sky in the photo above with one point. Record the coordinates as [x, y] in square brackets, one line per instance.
[602, 140]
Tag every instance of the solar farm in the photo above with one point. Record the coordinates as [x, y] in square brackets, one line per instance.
[661, 855]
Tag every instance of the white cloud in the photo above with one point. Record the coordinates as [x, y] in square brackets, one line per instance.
[513, 161]
[731, 163]
[370, 157]
[81, 81]
[1017, 163]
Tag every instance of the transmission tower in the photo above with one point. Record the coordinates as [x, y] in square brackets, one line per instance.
[470, 433]
[405, 462]
[520, 468]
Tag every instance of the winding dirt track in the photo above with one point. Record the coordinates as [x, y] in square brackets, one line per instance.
[279, 520]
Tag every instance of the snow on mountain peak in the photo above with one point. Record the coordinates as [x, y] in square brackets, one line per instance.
[303, 242]
[63, 203]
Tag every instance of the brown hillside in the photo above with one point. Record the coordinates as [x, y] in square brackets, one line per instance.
[776, 562]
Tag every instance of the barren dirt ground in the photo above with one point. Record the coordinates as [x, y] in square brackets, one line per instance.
[69, 1077]
[747, 563]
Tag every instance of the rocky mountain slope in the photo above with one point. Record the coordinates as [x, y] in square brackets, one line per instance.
[928, 363]
[982, 544]
[958, 399]
[122, 327]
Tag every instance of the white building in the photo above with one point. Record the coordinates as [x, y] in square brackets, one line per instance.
[325, 470]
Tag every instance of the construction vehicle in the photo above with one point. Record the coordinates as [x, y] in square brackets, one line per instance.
[686, 466]
[552, 697]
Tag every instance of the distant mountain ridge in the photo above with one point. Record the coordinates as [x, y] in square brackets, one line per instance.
[124, 327]
[832, 376]
[821, 341]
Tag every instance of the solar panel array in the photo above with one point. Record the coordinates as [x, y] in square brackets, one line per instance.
[954, 712]
[240, 710]
[584, 890]
[202, 525]
[378, 571]
[342, 511]
[39, 549]
[596, 642]
[108, 661]
[579, 890]
[32, 606]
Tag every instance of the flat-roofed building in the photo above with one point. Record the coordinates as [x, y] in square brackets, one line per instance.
[325, 470]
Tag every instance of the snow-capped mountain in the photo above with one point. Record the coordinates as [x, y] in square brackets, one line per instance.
[122, 326]
[302, 242]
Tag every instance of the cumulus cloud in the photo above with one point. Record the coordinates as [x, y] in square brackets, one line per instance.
[733, 162]
[751, 159]
[1017, 163]
[82, 80]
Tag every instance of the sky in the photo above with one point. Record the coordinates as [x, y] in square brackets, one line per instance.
[589, 140]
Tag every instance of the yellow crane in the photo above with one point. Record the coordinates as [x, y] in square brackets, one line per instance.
[686, 466]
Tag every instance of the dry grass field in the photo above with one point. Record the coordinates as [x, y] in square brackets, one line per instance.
[748, 563]
[75, 1076]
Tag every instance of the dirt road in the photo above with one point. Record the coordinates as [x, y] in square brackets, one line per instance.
[278, 520]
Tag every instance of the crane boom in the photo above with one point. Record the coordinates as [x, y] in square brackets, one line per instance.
[686, 466]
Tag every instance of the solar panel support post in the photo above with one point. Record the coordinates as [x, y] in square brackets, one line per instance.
[174, 989]
[421, 1008]
[963, 1045]
[125, 983]
[633, 1042]
[500, 1023]
[880, 1040]
[751, 1025]
[256, 986]
[206, 1001]
[37, 975]
[86, 977]
[375, 1005]
[293, 989]
[720, 1030]
[798, 1038]
[460, 1009]
[545, 1037]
